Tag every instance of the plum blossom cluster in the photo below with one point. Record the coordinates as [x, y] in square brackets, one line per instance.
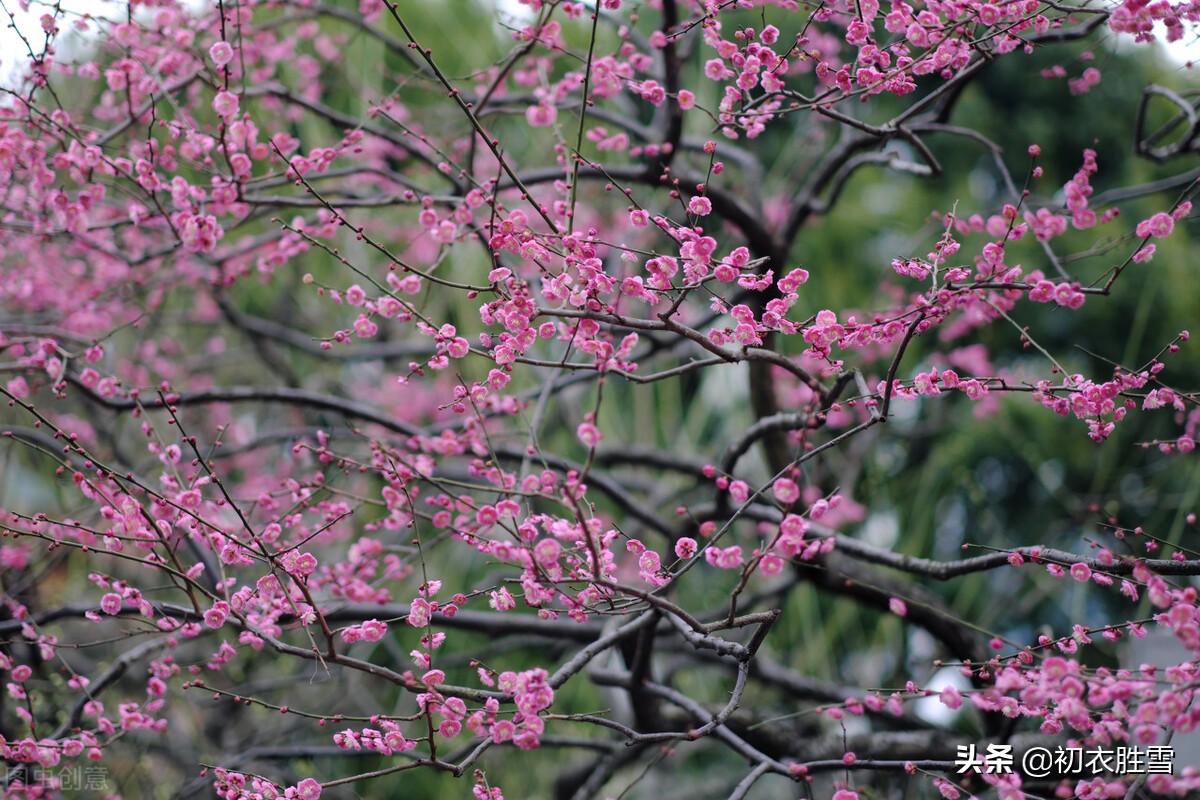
[1103, 405]
[230, 785]
[532, 694]
[385, 740]
[1142, 18]
[1159, 226]
[1102, 706]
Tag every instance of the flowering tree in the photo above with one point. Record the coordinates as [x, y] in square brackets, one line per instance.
[385, 405]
